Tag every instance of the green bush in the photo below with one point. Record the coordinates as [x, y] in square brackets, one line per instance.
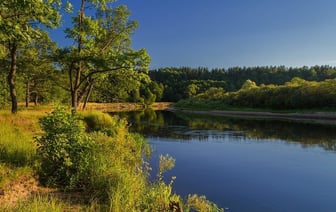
[63, 150]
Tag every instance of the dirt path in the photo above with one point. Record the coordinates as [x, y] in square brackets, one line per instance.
[18, 190]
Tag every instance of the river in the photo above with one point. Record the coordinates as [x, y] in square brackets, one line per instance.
[245, 164]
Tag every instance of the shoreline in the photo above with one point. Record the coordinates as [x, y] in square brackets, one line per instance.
[313, 117]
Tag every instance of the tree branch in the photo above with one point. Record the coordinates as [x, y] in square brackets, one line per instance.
[99, 72]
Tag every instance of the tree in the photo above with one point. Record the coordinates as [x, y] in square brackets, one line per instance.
[37, 68]
[20, 22]
[120, 86]
[103, 45]
[248, 84]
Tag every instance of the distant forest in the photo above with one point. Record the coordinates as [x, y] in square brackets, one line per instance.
[184, 82]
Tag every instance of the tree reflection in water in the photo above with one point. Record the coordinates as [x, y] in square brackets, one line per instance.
[190, 127]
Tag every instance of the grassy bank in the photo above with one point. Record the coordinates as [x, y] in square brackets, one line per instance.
[297, 95]
[209, 105]
[86, 162]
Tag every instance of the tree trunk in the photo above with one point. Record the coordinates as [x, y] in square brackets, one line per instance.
[11, 77]
[27, 93]
[74, 99]
[86, 90]
[76, 86]
[36, 99]
[88, 95]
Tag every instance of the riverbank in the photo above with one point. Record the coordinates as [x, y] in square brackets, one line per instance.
[31, 151]
[315, 117]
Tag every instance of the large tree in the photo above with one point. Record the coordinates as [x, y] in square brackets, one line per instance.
[102, 45]
[20, 22]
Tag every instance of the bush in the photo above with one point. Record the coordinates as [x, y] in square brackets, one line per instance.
[63, 150]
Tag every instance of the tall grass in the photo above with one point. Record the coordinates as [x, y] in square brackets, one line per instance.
[16, 148]
[43, 203]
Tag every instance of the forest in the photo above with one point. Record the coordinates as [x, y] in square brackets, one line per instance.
[185, 82]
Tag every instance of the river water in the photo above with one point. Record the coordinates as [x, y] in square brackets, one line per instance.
[245, 164]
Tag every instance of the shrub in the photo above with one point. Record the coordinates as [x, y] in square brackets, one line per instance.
[63, 150]
[200, 203]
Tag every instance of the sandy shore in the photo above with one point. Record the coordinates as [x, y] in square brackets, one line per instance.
[315, 117]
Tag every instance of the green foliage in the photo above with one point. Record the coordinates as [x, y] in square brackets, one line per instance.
[116, 174]
[103, 46]
[166, 163]
[63, 150]
[159, 196]
[200, 203]
[128, 85]
[182, 83]
[297, 94]
[19, 18]
[248, 84]
[37, 70]
[212, 93]
[99, 121]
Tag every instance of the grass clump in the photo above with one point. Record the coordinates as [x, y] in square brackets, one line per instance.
[200, 203]
[39, 203]
[117, 177]
[99, 121]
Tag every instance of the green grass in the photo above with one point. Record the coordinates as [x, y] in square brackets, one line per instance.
[16, 147]
[39, 203]
[207, 105]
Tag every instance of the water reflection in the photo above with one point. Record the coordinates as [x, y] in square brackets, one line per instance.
[189, 127]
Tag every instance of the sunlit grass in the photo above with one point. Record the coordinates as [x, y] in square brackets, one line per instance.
[39, 203]
[25, 121]
[9, 173]
[16, 148]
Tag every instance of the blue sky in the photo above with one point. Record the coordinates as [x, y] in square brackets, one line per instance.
[226, 33]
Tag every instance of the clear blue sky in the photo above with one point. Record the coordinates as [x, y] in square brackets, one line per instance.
[226, 33]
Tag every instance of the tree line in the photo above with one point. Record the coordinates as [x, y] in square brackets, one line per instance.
[296, 94]
[184, 82]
